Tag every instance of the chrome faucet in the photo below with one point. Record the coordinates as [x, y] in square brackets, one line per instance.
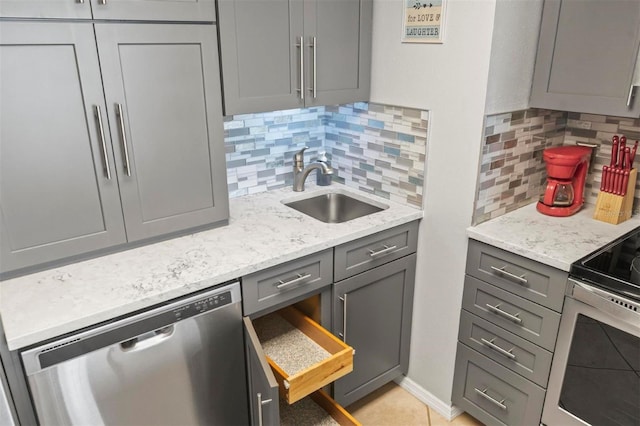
[300, 172]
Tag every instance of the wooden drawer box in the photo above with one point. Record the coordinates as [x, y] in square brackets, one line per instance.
[515, 314]
[304, 356]
[517, 354]
[316, 409]
[285, 282]
[527, 278]
[358, 256]
[494, 394]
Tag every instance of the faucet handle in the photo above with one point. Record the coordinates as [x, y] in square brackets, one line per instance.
[298, 157]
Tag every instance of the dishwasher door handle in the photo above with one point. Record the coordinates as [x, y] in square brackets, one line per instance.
[147, 339]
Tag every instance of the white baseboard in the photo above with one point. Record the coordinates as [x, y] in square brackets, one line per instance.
[446, 410]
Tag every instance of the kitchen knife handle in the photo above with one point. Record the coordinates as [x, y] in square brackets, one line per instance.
[123, 135]
[103, 143]
[301, 89]
[632, 94]
[603, 177]
[625, 182]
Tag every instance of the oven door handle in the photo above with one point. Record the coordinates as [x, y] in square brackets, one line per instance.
[620, 307]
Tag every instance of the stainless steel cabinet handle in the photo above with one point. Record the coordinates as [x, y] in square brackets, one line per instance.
[496, 310]
[632, 94]
[301, 46]
[300, 278]
[314, 47]
[520, 279]
[103, 142]
[483, 394]
[260, 404]
[123, 135]
[343, 299]
[102, 2]
[385, 250]
[497, 348]
[80, 1]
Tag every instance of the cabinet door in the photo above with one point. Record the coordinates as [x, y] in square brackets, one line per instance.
[586, 57]
[154, 10]
[338, 49]
[45, 9]
[162, 88]
[56, 197]
[261, 56]
[263, 387]
[372, 314]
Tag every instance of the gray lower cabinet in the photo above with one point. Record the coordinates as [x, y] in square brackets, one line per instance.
[58, 195]
[586, 57]
[281, 54]
[263, 387]
[139, 10]
[372, 313]
[508, 329]
[81, 164]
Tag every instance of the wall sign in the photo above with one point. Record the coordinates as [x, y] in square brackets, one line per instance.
[423, 21]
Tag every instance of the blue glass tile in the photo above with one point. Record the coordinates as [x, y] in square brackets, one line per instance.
[376, 123]
[392, 151]
[406, 138]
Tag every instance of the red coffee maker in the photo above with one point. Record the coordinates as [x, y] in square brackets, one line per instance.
[566, 173]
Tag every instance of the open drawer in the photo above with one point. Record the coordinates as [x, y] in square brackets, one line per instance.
[316, 409]
[303, 356]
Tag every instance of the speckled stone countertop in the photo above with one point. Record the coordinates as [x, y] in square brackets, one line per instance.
[555, 241]
[262, 232]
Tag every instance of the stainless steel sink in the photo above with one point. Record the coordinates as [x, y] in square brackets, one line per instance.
[334, 207]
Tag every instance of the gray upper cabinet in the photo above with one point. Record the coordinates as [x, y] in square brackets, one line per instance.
[106, 144]
[164, 105]
[140, 10]
[69, 9]
[279, 54]
[155, 10]
[58, 187]
[586, 57]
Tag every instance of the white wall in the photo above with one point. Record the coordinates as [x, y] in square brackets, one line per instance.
[449, 80]
[513, 54]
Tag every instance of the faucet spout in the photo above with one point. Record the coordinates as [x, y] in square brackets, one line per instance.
[300, 174]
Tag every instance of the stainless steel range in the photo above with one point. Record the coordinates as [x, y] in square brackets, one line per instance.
[595, 375]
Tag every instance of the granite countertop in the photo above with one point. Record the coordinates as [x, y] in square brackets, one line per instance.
[555, 241]
[262, 232]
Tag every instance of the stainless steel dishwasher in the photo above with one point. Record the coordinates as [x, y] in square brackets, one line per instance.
[181, 363]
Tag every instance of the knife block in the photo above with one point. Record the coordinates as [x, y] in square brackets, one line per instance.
[613, 208]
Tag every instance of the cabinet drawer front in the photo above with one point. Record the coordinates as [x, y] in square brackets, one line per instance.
[321, 407]
[527, 278]
[530, 361]
[366, 253]
[284, 282]
[515, 314]
[494, 394]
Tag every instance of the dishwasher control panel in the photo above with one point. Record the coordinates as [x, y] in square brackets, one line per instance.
[202, 305]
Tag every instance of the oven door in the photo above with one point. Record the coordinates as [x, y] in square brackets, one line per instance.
[595, 374]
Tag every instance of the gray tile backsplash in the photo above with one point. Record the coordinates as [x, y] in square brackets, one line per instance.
[376, 148]
[512, 171]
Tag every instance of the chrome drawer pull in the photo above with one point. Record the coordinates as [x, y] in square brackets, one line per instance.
[301, 89]
[123, 134]
[300, 278]
[314, 47]
[498, 349]
[483, 394]
[520, 279]
[496, 310]
[260, 404]
[343, 299]
[385, 250]
[103, 144]
[631, 95]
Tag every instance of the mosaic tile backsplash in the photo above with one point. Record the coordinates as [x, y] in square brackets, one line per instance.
[512, 171]
[376, 148]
